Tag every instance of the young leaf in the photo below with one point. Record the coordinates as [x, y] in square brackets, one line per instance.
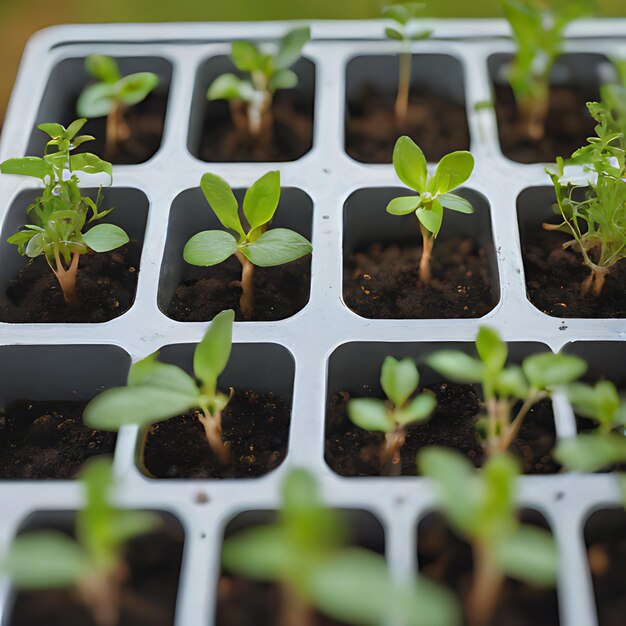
[102, 67]
[135, 88]
[548, 369]
[150, 372]
[419, 409]
[291, 46]
[457, 366]
[52, 129]
[90, 164]
[399, 379]
[453, 170]
[283, 79]
[277, 246]
[431, 218]
[403, 205]
[209, 247]
[370, 414]
[222, 200]
[492, 351]
[392, 33]
[230, 87]
[591, 452]
[105, 237]
[27, 166]
[410, 164]
[261, 199]
[96, 100]
[456, 203]
[245, 56]
[212, 353]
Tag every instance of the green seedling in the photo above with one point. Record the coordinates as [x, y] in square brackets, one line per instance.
[538, 30]
[399, 380]
[433, 192]
[306, 553]
[111, 96]
[93, 563]
[158, 391]
[509, 392]
[480, 506]
[59, 215]
[256, 247]
[251, 98]
[406, 29]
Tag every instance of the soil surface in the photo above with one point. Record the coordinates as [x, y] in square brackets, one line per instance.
[279, 292]
[557, 292]
[606, 549]
[447, 559]
[382, 282]
[47, 440]
[106, 286]
[292, 135]
[437, 125]
[256, 425]
[148, 597]
[568, 124]
[353, 451]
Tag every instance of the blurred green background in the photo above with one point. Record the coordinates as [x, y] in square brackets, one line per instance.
[20, 18]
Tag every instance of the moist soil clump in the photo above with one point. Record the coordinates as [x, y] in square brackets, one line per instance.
[47, 440]
[256, 425]
[382, 282]
[353, 451]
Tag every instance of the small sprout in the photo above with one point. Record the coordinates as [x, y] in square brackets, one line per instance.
[157, 391]
[93, 563]
[399, 380]
[61, 212]
[111, 96]
[259, 246]
[405, 29]
[251, 98]
[538, 30]
[305, 551]
[434, 192]
[504, 387]
[480, 506]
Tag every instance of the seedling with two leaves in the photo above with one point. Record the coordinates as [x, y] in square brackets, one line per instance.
[93, 563]
[509, 392]
[434, 192]
[480, 506]
[251, 98]
[406, 29]
[306, 553]
[399, 380]
[61, 212]
[256, 247]
[111, 96]
[158, 391]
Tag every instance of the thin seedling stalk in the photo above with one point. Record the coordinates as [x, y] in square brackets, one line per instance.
[67, 277]
[101, 594]
[425, 271]
[293, 610]
[487, 583]
[533, 112]
[391, 460]
[246, 301]
[117, 131]
[212, 424]
[404, 86]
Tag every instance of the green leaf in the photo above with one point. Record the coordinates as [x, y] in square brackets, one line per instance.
[211, 356]
[422, 34]
[432, 217]
[102, 67]
[283, 79]
[392, 33]
[36, 245]
[105, 237]
[425, 603]
[74, 128]
[246, 56]
[456, 203]
[209, 247]
[370, 414]
[403, 205]
[230, 87]
[492, 351]
[150, 372]
[52, 129]
[410, 164]
[27, 166]
[418, 410]
[96, 100]
[591, 452]
[220, 197]
[398, 13]
[453, 170]
[277, 246]
[261, 199]
[130, 524]
[457, 366]
[601, 403]
[511, 382]
[290, 47]
[90, 164]
[548, 370]
[135, 88]
[45, 560]
[399, 379]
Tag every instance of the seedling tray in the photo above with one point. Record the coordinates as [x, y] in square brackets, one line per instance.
[327, 346]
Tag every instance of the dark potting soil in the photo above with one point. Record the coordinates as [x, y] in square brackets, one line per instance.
[279, 292]
[106, 286]
[292, 135]
[605, 535]
[447, 559]
[436, 124]
[256, 425]
[353, 451]
[148, 597]
[47, 440]
[382, 282]
[568, 124]
[554, 277]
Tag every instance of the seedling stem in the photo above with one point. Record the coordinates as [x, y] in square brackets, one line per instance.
[487, 583]
[246, 301]
[427, 250]
[67, 277]
[404, 84]
[117, 131]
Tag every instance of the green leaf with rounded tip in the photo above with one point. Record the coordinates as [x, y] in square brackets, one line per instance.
[283, 79]
[105, 237]
[74, 128]
[422, 34]
[457, 366]
[261, 199]
[96, 100]
[135, 88]
[290, 47]
[456, 203]
[410, 164]
[403, 205]
[452, 171]
[492, 351]
[45, 560]
[425, 603]
[370, 414]
[209, 247]
[27, 166]
[131, 524]
[511, 382]
[399, 379]
[398, 13]
[591, 452]
[230, 87]
[52, 129]
[246, 56]
[212, 353]
[222, 200]
[392, 33]
[277, 246]
[150, 372]
[90, 164]
[36, 245]
[102, 67]
[431, 218]
[418, 410]
[547, 369]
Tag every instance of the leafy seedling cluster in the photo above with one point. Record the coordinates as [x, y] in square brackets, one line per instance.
[399, 380]
[433, 192]
[59, 215]
[111, 96]
[256, 247]
[158, 391]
